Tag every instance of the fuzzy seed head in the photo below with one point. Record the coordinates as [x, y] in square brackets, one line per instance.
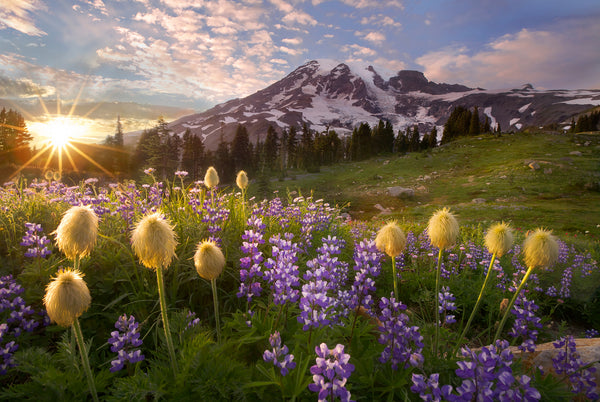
[242, 180]
[391, 239]
[209, 260]
[153, 241]
[211, 178]
[443, 229]
[67, 297]
[540, 249]
[499, 239]
[77, 232]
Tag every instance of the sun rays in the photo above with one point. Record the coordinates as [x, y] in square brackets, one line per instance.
[60, 138]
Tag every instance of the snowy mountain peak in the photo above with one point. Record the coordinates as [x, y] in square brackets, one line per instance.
[328, 94]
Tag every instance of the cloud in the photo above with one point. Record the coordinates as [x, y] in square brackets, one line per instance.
[565, 56]
[357, 51]
[367, 3]
[16, 15]
[374, 37]
[292, 15]
[22, 88]
[381, 20]
[292, 41]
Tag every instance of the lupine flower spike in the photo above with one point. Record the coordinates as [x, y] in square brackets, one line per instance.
[209, 261]
[392, 241]
[443, 233]
[498, 240]
[77, 232]
[153, 241]
[67, 297]
[541, 250]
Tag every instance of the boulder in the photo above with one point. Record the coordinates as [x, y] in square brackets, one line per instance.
[534, 165]
[478, 200]
[575, 153]
[401, 192]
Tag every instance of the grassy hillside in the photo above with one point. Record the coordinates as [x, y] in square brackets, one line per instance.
[482, 179]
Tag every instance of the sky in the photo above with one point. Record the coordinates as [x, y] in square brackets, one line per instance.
[194, 54]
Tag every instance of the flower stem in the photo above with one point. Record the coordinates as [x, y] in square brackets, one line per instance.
[213, 284]
[510, 305]
[165, 318]
[395, 277]
[437, 304]
[84, 359]
[464, 332]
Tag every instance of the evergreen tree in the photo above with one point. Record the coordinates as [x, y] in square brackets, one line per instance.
[414, 139]
[486, 125]
[432, 138]
[271, 148]
[240, 149]
[224, 162]
[292, 148]
[401, 142]
[148, 151]
[14, 137]
[474, 125]
[193, 155]
[307, 150]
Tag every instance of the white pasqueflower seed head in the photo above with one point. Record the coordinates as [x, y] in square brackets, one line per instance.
[211, 178]
[443, 229]
[67, 297]
[499, 239]
[242, 180]
[540, 249]
[390, 239]
[77, 232]
[209, 260]
[153, 241]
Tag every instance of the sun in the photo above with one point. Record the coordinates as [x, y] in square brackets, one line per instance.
[61, 130]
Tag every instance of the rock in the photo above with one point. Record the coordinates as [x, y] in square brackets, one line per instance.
[386, 162]
[588, 349]
[382, 209]
[534, 165]
[401, 192]
[575, 153]
[548, 171]
[479, 200]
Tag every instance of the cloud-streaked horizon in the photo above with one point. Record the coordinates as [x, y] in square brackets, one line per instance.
[196, 53]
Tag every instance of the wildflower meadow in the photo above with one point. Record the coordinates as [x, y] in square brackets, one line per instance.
[181, 290]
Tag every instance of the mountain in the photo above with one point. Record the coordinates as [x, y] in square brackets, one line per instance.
[327, 94]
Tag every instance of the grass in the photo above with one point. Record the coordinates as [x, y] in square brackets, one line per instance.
[563, 194]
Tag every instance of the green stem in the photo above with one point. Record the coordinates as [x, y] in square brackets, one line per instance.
[165, 318]
[84, 359]
[510, 305]
[395, 278]
[464, 332]
[437, 304]
[213, 284]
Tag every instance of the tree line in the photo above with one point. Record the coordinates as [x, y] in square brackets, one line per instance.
[586, 122]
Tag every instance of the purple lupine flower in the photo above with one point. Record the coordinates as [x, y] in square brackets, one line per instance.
[250, 265]
[192, 320]
[326, 275]
[591, 333]
[569, 363]
[281, 271]
[19, 318]
[526, 323]
[403, 343]
[279, 355]
[486, 376]
[181, 173]
[446, 304]
[37, 245]
[367, 260]
[429, 388]
[330, 373]
[124, 342]
[215, 214]
[565, 282]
